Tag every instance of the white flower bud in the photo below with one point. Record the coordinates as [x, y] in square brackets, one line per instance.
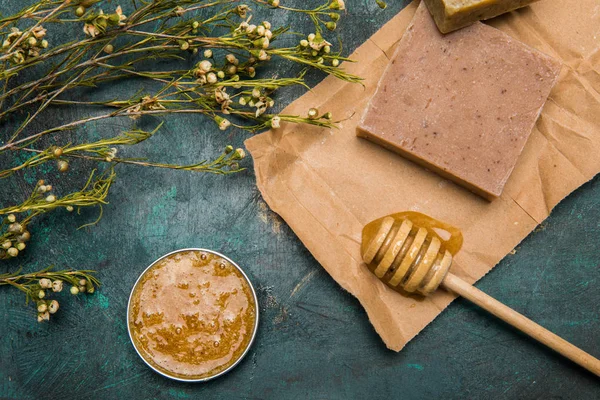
[41, 294]
[260, 30]
[15, 227]
[45, 316]
[263, 55]
[275, 122]
[256, 92]
[69, 208]
[205, 65]
[57, 286]
[53, 307]
[232, 59]
[267, 24]
[268, 34]
[208, 53]
[311, 37]
[42, 307]
[45, 283]
[74, 290]
[335, 62]
[51, 198]
[211, 77]
[63, 166]
[7, 245]
[21, 246]
[13, 252]
[11, 218]
[221, 74]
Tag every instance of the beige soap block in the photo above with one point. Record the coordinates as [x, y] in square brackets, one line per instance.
[461, 104]
[450, 15]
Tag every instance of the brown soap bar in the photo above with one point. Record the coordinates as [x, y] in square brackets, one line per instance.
[450, 15]
[461, 104]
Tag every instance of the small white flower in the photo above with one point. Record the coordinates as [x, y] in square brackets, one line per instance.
[267, 24]
[338, 5]
[45, 283]
[122, 17]
[205, 65]
[45, 316]
[232, 59]
[57, 286]
[268, 34]
[224, 123]
[256, 92]
[42, 307]
[39, 32]
[112, 153]
[211, 77]
[53, 307]
[262, 55]
[239, 154]
[260, 30]
[275, 122]
[90, 30]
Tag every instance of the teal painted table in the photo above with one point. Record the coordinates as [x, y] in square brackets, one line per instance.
[314, 339]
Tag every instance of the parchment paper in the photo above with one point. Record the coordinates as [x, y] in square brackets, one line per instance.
[328, 184]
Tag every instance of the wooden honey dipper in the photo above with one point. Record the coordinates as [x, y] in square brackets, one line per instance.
[405, 252]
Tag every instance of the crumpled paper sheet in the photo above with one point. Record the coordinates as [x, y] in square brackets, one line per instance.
[327, 184]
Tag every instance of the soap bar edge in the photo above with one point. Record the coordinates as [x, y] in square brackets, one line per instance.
[487, 195]
[445, 20]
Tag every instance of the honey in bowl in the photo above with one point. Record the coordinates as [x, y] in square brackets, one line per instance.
[192, 315]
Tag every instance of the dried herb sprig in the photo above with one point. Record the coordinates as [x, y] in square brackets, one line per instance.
[39, 286]
[13, 230]
[225, 85]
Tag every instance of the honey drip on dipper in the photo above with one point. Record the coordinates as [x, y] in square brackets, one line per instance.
[406, 252]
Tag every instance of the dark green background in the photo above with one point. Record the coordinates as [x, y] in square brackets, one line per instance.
[317, 343]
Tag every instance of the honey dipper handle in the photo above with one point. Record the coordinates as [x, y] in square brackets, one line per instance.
[524, 324]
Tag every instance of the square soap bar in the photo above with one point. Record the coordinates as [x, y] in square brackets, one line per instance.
[450, 15]
[462, 104]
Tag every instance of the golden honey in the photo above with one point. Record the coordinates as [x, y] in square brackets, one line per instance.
[192, 315]
[406, 251]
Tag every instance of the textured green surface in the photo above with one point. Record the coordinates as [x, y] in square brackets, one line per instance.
[314, 340]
